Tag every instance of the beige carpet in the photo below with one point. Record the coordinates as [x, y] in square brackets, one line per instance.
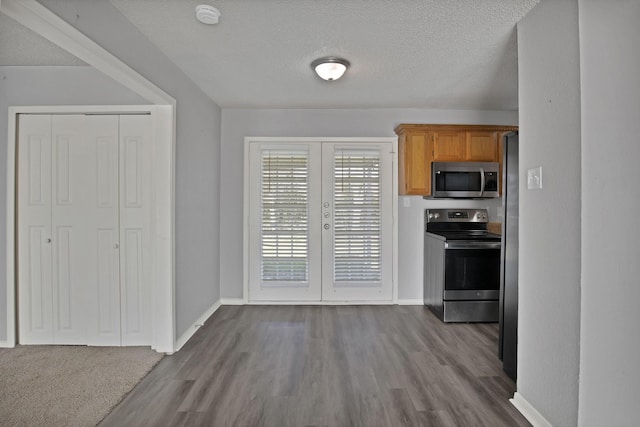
[67, 385]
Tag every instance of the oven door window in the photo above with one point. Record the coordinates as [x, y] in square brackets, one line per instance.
[472, 269]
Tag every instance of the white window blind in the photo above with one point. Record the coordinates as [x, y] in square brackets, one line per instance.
[284, 225]
[357, 217]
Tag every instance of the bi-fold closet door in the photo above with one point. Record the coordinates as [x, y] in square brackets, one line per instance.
[83, 229]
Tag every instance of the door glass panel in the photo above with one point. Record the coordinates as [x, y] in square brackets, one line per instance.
[284, 218]
[357, 217]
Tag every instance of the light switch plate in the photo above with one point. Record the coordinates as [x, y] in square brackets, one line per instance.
[407, 202]
[534, 178]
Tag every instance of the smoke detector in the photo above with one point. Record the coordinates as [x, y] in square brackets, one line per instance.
[207, 14]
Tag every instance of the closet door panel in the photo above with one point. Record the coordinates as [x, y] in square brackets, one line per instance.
[68, 238]
[106, 320]
[34, 230]
[133, 301]
[101, 134]
[66, 295]
[84, 159]
[135, 190]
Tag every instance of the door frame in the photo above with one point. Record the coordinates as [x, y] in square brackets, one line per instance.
[47, 24]
[347, 140]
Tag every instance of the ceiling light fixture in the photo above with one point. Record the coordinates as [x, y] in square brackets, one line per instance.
[330, 67]
[207, 14]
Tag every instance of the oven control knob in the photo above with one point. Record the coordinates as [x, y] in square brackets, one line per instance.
[436, 215]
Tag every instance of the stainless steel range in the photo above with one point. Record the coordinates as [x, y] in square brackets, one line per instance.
[461, 265]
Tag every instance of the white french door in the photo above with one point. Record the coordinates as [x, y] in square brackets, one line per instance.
[357, 211]
[320, 221]
[83, 214]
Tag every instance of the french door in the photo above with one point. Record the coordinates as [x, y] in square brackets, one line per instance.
[320, 221]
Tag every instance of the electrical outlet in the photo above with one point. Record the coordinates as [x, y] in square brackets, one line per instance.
[534, 178]
[406, 202]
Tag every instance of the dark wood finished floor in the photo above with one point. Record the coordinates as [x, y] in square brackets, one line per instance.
[327, 366]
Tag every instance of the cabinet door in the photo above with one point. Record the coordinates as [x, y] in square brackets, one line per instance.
[415, 178]
[449, 146]
[482, 147]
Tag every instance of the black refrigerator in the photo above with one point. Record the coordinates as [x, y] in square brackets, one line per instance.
[508, 343]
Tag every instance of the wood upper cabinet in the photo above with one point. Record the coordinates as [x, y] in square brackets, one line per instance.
[448, 146]
[482, 147]
[419, 145]
[414, 152]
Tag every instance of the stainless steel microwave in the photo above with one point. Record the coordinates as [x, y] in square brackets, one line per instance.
[465, 180]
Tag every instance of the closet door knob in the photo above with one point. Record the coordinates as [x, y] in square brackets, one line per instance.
[48, 240]
[116, 246]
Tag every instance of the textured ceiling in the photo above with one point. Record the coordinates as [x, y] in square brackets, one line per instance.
[445, 54]
[413, 53]
[21, 46]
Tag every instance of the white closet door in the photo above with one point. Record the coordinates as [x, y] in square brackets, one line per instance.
[95, 215]
[135, 246]
[284, 222]
[83, 233]
[357, 222]
[34, 230]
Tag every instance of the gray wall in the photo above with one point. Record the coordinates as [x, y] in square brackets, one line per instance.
[46, 86]
[549, 257]
[197, 151]
[609, 338]
[579, 269]
[238, 123]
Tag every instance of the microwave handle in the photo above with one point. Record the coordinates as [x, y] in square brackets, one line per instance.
[481, 181]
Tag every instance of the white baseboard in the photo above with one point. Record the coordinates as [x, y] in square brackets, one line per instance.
[231, 301]
[410, 302]
[320, 303]
[528, 411]
[7, 344]
[240, 301]
[196, 325]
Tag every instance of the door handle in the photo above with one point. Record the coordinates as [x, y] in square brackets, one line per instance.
[481, 181]
[48, 240]
[116, 246]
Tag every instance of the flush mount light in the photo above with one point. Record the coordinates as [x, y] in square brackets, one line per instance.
[330, 67]
[207, 14]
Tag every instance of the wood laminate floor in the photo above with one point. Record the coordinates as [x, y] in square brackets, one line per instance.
[327, 366]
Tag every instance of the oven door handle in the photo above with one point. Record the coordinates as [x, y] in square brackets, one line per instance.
[472, 245]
